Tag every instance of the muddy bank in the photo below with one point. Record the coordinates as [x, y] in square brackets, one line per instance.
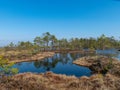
[25, 58]
[100, 64]
[51, 81]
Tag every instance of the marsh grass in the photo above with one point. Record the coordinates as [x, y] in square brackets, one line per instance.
[51, 81]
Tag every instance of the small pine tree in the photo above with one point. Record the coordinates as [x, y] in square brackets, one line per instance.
[6, 68]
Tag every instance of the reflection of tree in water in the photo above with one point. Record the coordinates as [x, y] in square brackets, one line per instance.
[64, 58]
[50, 63]
[47, 64]
[38, 64]
[74, 56]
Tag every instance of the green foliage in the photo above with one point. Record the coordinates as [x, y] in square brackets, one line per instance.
[48, 41]
[6, 67]
[25, 45]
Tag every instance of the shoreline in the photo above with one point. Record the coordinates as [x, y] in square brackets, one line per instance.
[36, 57]
[43, 55]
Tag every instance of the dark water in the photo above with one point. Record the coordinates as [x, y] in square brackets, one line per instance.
[59, 64]
[62, 64]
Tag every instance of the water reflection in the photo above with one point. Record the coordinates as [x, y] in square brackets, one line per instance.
[63, 58]
[50, 63]
[62, 63]
[59, 63]
[47, 64]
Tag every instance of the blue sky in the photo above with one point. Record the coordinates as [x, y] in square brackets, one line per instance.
[25, 19]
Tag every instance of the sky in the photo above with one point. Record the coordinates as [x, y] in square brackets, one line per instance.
[26, 19]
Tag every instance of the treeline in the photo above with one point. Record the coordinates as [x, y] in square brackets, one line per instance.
[49, 42]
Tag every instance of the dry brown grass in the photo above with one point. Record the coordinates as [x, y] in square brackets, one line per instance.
[101, 64]
[51, 81]
[24, 55]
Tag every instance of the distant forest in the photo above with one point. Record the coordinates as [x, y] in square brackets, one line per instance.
[49, 42]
